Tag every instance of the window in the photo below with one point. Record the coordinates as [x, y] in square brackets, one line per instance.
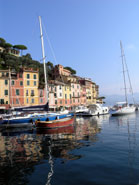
[35, 83]
[12, 82]
[65, 101]
[27, 100]
[17, 101]
[56, 102]
[28, 76]
[6, 82]
[2, 74]
[32, 92]
[26, 92]
[65, 96]
[60, 101]
[34, 76]
[55, 95]
[41, 93]
[17, 92]
[70, 96]
[6, 102]
[65, 88]
[1, 101]
[60, 87]
[28, 82]
[6, 92]
[32, 100]
[7, 74]
[20, 75]
[60, 94]
[51, 88]
[21, 83]
[41, 100]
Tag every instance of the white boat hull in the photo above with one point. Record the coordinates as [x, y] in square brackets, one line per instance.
[122, 111]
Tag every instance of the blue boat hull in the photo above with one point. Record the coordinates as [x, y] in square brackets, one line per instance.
[27, 122]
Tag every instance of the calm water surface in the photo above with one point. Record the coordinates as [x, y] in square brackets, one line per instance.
[98, 151]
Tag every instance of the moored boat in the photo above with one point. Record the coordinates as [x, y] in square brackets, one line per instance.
[98, 109]
[57, 123]
[93, 110]
[123, 108]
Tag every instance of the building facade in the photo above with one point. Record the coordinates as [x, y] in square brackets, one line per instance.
[4, 88]
[31, 84]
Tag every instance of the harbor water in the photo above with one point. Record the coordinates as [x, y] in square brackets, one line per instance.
[100, 150]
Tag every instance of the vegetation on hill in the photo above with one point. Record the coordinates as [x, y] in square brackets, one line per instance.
[9, 61]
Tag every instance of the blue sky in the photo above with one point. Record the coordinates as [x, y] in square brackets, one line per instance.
[84, 34]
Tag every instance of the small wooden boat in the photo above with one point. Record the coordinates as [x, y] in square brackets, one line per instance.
[63, 122]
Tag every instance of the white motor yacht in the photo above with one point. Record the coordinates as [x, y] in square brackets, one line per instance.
[98, 109]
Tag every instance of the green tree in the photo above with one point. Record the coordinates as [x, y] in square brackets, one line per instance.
[20, 47]
[8, 45]
[70, 69]
[2, 42]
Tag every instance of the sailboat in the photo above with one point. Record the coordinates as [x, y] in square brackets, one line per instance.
[122, 108]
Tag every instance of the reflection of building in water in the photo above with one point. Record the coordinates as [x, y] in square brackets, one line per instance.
[19, 154]
[86, 128]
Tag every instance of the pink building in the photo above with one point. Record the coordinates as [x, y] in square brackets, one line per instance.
[83, 95]
[76, 94]
[42, 96]
[17, 89]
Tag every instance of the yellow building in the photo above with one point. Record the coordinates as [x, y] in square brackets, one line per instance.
[94, 93]
[4, 87]
[67, 95]
[31, 83]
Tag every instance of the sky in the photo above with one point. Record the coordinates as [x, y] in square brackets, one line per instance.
[82, 34]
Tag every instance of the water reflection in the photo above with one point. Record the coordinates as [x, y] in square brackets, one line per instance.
[22, 150]
[128, 125]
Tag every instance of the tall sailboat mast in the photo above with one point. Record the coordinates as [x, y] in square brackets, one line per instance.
[122, 55]
[43, 55]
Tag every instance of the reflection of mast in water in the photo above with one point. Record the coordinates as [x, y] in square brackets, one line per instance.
[132, 146]
[50, 161]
